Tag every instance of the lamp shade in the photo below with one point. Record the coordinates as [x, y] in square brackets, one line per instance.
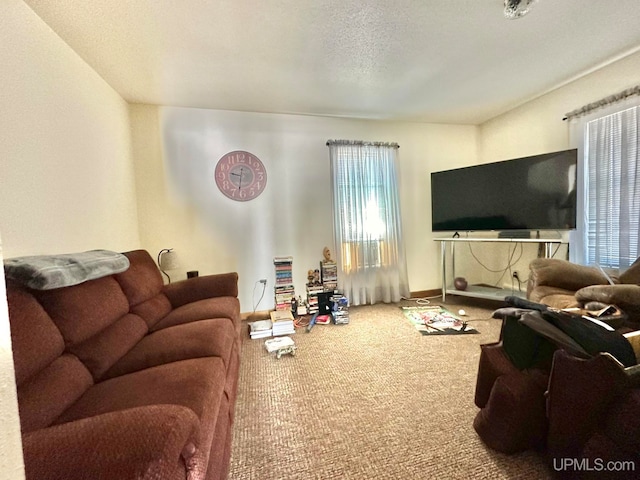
[168, 260]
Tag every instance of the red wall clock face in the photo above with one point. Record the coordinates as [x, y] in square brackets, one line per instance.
[240, 176]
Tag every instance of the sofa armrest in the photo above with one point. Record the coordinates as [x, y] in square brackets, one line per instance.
[200, 288]
[563, 274]
[151, 442]
[621, 295]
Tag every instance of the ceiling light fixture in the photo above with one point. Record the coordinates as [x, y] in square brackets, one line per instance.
[514, 9]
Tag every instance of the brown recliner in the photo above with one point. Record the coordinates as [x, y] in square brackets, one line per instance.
[536, 389]
[562, 284]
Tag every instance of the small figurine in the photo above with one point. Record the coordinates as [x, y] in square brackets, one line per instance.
[310, 277]
[326, 253]
[316, 277]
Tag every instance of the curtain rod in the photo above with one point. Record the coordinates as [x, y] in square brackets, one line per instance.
[611, 99]
[361, 143]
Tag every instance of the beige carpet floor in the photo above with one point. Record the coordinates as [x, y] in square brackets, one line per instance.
[373, 399]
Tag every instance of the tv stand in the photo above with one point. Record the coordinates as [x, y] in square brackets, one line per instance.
[484, 291]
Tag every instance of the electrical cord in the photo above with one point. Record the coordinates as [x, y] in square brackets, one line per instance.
[301, 321]
[422, 300]
[264, 287]
[510, 263]
[501, 270]
[520, 282]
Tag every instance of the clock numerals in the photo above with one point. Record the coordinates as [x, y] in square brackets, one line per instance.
[240, 176]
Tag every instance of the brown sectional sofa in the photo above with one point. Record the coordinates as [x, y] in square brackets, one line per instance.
[122, 377]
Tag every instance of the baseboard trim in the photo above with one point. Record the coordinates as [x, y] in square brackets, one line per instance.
[253, 316]
[427, 293]
[265, 314]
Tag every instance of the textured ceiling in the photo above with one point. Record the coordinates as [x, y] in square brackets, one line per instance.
[444, 61]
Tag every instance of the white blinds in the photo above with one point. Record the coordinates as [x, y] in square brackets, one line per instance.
[612, 199]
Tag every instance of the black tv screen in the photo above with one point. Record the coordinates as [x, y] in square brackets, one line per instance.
[530, 193]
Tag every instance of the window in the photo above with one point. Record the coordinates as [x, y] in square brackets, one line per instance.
[612, 190]
[362, 212]
[367, 222]
[360, 183]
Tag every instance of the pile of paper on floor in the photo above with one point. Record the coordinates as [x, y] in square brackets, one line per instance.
[260, 329]
[282, 323]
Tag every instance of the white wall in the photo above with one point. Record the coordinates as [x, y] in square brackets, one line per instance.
[66, 171]
[179, 205]
[537, 127]
[66, 166]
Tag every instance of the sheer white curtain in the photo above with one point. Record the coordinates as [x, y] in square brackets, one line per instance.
[367, 223]
[609, 191]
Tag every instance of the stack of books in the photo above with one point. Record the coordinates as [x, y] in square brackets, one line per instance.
[284, 291]
[329, 275]
[312, 297]
[282, 323]
[260, 329]
[340, 307]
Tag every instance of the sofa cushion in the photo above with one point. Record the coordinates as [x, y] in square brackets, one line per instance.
[190, 383]
[153, 309]
[104, 349]
[83, 310]
[42, 398]
[150, 442]
[196, 384]
[35, 339]
[205, 338]
[554, 297]
[218, 307]
[142, 280]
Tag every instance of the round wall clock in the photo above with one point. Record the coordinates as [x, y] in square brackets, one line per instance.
[240, 176]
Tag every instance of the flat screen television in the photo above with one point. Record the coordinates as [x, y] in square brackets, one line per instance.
[523, 194]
